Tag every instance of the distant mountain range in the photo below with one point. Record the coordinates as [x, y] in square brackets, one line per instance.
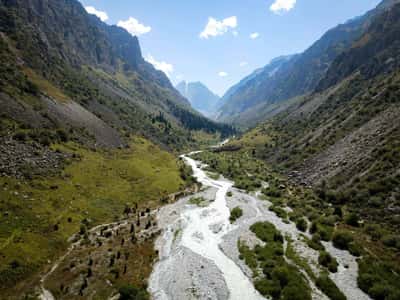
[199, 96]
[260, 96]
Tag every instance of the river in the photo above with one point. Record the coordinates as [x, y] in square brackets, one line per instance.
[198, 248]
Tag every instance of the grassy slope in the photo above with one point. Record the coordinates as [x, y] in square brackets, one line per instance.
[95, 186]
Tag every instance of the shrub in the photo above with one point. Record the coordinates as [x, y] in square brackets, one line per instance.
[229, 194]
[62, 135]
[301, 224]
[20, 136]
[281, 274]
[315, 242]
[338, 212]
[236, 213]
[280, 212]
[272, 191]
[342, 239]
[130, 292]
[266, 232]
[355, 249]
[45, 141]
[268, 288]
[325, 232]
[295, 292]
[329, 288]
[374, 231]
[314, 227]
[379, 291]
[378, 279]
[199, 201]
[352, 220]
[391, 240]
[326, 260]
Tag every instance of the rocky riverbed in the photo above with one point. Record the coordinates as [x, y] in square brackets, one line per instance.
[198, 249]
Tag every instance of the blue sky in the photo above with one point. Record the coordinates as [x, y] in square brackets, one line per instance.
[179, 36]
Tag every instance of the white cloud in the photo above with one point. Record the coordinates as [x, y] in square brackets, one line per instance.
[243, 63]
[163, 66]
[222, 74]
[102, 15]
[134, 27]
[215, 27]
[254, 35]
[281, 6]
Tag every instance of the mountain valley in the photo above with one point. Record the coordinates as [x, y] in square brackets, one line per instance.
[114, 184]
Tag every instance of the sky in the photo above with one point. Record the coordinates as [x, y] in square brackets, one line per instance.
[218, 42]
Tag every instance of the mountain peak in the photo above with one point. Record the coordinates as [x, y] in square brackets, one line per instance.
[199, 95]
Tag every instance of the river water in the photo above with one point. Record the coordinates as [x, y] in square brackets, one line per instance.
[199, 235]
[204, 231]
[207, 245]
[192, 263]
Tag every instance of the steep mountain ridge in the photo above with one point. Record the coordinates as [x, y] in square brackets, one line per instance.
[245, 94]
[57, 46]
[298, 76]
[346, 137]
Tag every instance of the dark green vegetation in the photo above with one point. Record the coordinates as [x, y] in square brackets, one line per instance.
[329, 288]
[200, 201]
[236, 213]
[326, 260]
[279, 280]
[378, 243]
[376, 279]
[130, 292]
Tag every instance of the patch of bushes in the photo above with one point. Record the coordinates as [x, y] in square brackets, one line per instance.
[391, 240]
[342, 239]
[279, 211]
[301, 224]
[326, 285]
[20, 136]
[236, 213]
[356, 249]
[324, 231]
[272, 191]
[280, 280]
[199, 201]
[379, 279]
[315, 242]
[326, 260]
[130, 292]
[352, 220]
